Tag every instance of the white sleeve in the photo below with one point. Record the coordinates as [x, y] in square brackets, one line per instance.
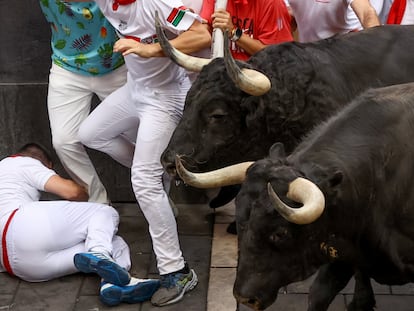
[37, 175]
[377, 5]
[174, 16]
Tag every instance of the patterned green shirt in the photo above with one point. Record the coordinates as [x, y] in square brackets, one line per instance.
[82, 38]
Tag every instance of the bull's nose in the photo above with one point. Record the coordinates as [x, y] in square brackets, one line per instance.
[251, 303]
[168, 162]
[170, 169]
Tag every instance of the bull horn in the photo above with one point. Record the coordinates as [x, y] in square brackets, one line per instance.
[250, 81]
[188, 62]
[230, 175]
[303, 191]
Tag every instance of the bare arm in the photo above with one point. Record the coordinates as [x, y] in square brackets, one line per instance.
[196, 38]
[222, 19]
[66, 189]
[365, 13]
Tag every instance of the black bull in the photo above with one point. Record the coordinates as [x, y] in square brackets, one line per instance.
[222, 125]
[362, 162]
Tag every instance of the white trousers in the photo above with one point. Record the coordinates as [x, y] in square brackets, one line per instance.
[69, 103]
[43, 237]
[155, 114]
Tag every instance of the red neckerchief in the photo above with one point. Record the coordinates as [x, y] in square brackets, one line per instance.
[396, 12]
[244, 2]
[117, 3]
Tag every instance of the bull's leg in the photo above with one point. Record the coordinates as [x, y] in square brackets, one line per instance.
[331, 279]
[364, 299]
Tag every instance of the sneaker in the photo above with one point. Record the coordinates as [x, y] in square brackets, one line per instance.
[102, 265]
[174, 286]
[138, 290]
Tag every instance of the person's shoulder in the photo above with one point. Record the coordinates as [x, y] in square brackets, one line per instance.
[18, 161]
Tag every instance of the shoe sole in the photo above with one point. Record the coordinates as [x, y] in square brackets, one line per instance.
[114, 295]
[110, 271]
[189, 286]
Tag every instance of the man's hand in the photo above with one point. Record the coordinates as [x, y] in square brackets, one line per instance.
[222, 19]
[128, 46]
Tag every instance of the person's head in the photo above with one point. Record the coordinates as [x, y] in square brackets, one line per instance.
[38, 152]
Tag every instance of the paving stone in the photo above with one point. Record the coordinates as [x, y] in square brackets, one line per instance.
[6, 302]
[59, 294]
[92, 303]
[134, 230]
[187, 194]
[220, 294]
[8, 284]
[376, 287]
[290, 302]
[90, 284]
[407, 289]
[128, 209]
[225, 214]
[390, 302]
[195, 219]
[394, 303]
[224, 248]
[301, 287]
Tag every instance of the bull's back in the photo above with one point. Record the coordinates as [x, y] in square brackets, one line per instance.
[377, 56]
[311, 81]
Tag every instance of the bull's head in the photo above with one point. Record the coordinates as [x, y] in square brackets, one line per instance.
[275, 247]
[300, 190]
[217, 113]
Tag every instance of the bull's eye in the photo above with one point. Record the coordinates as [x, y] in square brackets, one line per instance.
[217, 114]
[217, 117]
[280, 235]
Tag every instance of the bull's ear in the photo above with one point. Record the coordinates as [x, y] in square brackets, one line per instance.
[277, 151]
[336, 178]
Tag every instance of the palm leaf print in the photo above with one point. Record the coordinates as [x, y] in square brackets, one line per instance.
[82, 43]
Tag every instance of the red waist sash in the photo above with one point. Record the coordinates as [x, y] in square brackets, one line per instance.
[6, 262]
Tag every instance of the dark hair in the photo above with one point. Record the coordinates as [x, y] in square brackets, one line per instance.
[37, 151]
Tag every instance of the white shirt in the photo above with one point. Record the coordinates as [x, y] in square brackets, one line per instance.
[21, 180]
[408, 18]
[320, 19]
[138, 20]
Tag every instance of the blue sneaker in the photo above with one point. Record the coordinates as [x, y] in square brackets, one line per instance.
[102, 265]
[173, 286]
[138, 290]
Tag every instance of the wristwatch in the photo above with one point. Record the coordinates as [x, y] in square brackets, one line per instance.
[236, 33]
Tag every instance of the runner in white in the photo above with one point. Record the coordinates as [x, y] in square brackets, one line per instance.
[318, 20]
[151, 101]
[43, 240]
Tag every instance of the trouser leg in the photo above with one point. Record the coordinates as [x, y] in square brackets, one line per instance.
[69, 103]
[44, 236]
